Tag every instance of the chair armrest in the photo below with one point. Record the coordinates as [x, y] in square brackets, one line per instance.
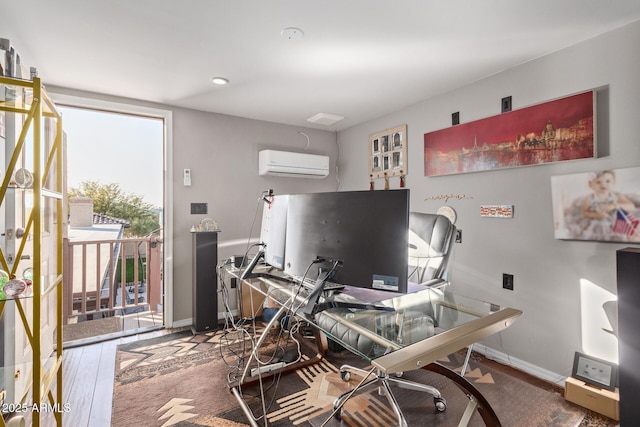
[434, 283]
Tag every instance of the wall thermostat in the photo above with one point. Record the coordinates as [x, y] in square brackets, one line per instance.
[187, 177]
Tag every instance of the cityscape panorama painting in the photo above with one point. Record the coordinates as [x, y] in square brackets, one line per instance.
[554, 131]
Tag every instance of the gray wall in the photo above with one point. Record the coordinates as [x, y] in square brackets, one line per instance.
[559, 285]
[222, 153]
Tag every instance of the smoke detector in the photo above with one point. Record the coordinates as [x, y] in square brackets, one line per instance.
[292, 33]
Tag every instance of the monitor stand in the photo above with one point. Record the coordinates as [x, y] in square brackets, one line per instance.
[313, 307]
[248, 272]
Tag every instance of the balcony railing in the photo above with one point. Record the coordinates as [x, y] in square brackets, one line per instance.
[105, 278]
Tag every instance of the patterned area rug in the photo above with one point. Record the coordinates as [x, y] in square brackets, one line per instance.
[181, 380]
[174, 380]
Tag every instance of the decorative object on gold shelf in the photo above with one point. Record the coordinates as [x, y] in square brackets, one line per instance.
[4, 277]
[23, 178]
[448, 212]
[14, 287]
[388, 153]
[446, 197]
[27, 276]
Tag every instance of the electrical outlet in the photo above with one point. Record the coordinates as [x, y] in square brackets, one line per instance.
[458, 236]
[507, 281]
[506, 104]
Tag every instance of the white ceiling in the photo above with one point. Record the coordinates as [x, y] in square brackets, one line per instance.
[359, 59]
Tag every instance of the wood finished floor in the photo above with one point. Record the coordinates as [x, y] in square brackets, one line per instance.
[88, 377]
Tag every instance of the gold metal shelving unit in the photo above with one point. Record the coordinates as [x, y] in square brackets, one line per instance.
[40, 135]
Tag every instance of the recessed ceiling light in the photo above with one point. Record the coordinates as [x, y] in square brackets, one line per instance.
[292, 33]
[219, 80]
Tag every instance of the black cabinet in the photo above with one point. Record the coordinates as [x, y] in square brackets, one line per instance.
[628, 268]
[205, 281]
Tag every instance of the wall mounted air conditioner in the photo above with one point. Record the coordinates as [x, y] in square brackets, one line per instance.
[298, 165]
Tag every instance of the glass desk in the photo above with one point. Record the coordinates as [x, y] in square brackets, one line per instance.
[425, 326]
[399, 333]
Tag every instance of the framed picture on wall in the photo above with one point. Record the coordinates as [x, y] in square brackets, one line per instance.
[601, 205]
[388, 153]
[592, 370]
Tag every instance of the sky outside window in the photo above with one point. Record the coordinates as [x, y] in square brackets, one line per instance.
[115, 148]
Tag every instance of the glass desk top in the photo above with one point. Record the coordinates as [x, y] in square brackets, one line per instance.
[420, 328]
[424, 326]
[394, 333]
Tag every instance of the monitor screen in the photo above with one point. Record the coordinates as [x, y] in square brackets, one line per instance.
[366, 230]
[273, 230]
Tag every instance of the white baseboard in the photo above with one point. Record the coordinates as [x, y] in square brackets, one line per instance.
[188, 322]
[182, 323]
[521, 365]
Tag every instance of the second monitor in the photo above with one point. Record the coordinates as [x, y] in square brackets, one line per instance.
[366, 230]
[273, 230]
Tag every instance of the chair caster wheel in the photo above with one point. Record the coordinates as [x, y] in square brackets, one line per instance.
[337, 414]
[345, 376]
[440, 403]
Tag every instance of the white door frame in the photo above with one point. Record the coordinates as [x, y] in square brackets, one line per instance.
[167, 117]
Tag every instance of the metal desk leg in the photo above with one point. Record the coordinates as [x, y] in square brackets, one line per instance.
[468, 412]
[466, 360]
[483, 407]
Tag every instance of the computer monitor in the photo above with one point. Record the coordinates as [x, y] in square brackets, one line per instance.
[366, 230]
[273, 230]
